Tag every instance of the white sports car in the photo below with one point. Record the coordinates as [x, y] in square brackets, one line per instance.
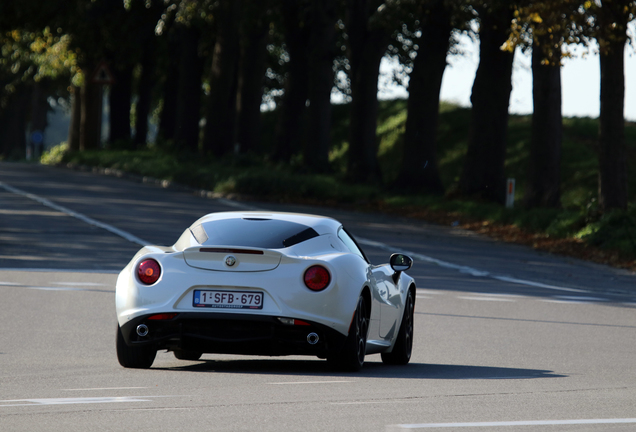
[264, 284]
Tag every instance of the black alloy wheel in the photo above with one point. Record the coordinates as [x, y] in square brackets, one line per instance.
[351, 358]
[134, 357]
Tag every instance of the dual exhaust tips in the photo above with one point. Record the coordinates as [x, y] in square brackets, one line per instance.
[142, 330]
[312, 338]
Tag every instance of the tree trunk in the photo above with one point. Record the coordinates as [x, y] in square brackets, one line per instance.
[144, 92]
[543, 187]
[612, 147]
[368, 44]
[76, 115]
[13, 124]
[321, 79]
[220, 129]
[289, 128]
[168, 117]
[418, 170]
[145, 16]
[91, 116]
[120, 103]
[483, 173]
[188, 113]
[251, 72]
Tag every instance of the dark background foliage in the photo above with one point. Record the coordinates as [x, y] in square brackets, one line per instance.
[200, 72]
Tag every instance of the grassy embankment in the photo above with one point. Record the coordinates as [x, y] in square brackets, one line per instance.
[578, 229]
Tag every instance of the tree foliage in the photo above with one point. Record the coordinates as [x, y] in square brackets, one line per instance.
[560, 25]
[203, 70]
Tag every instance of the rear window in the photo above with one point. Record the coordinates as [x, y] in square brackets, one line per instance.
[258, 233]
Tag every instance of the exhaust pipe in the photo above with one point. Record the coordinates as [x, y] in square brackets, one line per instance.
[142, 330]
[313, 338]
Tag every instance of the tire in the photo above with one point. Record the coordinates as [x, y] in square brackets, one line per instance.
[351, 357]
[403, 347]
[134, 357]
[187, 355]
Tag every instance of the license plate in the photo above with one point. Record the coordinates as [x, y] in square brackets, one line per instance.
[228, 299]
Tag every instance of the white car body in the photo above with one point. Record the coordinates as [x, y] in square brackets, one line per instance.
[289, 318]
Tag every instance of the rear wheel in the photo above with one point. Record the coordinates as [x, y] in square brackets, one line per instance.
[403, 347]
[351, 358]
[187, 355]
[134, 357]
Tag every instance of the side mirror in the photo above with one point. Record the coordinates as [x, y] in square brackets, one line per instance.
[400, 263]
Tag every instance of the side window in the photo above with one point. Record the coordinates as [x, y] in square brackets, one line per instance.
[350, 243]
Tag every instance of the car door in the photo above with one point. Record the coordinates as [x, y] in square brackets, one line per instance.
[391, 301]
[374, 322]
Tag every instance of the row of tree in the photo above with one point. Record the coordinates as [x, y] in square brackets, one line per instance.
[203, 68]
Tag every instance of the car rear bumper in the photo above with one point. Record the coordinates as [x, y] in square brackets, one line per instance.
[231, 333]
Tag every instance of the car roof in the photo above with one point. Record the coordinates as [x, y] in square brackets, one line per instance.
[321, 224]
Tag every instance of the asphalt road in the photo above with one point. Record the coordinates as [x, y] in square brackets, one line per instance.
[507, 338]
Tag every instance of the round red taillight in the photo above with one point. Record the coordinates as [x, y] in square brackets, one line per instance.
[317, 278]
[148, 271]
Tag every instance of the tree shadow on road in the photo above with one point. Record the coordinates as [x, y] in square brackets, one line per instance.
[319, 368]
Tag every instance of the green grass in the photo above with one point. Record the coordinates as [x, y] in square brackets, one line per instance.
[257, 177]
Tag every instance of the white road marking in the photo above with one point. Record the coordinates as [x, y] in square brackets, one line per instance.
[536, 284]
[54, 288]
[593, 299]
[512, 423]
[573, 302]
[79, 283]
[77, 401]
[72, 401]
[49, 270]
[464, 269]
[495, 299]
[499, 295]
[308, 382]
[88, 220]
[60, 288]
[105, 388]
[29, 213]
